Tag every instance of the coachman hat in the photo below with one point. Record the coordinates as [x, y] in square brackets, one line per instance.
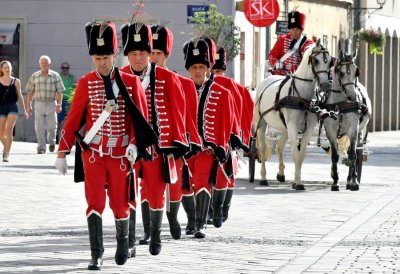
[296, 20]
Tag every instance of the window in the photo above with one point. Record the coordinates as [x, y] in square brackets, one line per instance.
[9, 45]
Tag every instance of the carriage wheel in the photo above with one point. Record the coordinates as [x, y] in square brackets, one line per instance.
[252, 162]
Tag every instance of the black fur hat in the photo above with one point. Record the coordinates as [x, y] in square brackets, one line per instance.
[196, 52]
[296, 20]
[220, 59]
[163, 39]
[101, 38]
[136, 36]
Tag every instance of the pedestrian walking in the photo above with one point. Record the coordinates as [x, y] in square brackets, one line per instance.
[112, 107]
[10, 94]
[69, 83]
[45, 88]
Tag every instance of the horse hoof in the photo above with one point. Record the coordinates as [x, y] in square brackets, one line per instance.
[293, 185]
[354, 187]
[334, 188]
[280, 178]
[299, 187]
[264, 183]
[348, 186]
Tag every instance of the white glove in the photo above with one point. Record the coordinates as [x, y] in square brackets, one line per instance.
[131, 153]
[61, 165]
[278, 65]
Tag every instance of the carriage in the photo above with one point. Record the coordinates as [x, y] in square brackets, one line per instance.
[287, 105]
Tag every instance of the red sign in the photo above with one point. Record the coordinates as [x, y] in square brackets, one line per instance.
[261, 13]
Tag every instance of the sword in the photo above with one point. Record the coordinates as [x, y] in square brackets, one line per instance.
[223, 171]
[168, 198]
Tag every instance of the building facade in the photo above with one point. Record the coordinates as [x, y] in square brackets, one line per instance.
[31, 28]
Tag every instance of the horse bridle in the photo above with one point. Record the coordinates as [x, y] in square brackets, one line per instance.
[346, 63]
[311, 60]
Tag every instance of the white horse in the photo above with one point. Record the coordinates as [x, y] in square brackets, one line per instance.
[353, 105]
[283, 103]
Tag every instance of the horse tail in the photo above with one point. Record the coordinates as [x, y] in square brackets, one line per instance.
[343, 144]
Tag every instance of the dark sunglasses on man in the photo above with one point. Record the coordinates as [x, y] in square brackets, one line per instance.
[64, 67]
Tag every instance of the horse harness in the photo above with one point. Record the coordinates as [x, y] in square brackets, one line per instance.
[345, 107]
[293, 100]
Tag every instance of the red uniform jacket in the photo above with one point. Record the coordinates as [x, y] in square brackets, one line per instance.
[90, 100]
[191, 113]
[246, 115]
[216, 118]
[281, 47]
[229, 84]
[166, 110]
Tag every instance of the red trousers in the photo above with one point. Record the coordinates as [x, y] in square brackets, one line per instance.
[100, 171]
[153, 183]
[201, 167]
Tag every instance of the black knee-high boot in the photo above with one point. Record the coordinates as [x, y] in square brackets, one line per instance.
[132, 231]
[218, 198]
[202, 204]
[122, 252]
[189, 205]
[155, 231]
[227, 204]
[146, 224]
[174, 226]
[95, 226]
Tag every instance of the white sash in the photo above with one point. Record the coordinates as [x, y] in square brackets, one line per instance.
[102, 118]
[146, 79]
[291, 51]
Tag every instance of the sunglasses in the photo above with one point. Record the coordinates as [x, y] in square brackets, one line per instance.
[65, 67]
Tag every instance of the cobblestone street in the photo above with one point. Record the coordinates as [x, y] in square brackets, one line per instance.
[271, 229]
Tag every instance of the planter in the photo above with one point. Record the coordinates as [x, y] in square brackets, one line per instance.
[374, 38]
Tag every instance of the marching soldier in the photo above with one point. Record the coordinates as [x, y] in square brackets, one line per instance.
[246, 118]
[111, 106]
[215, 122]
[218, 195]
[166, 115]
[181, 191]
[286, 55]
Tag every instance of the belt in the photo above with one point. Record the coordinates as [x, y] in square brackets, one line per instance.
[116, 141]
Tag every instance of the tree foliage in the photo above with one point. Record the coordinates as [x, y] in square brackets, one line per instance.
[220, 28]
